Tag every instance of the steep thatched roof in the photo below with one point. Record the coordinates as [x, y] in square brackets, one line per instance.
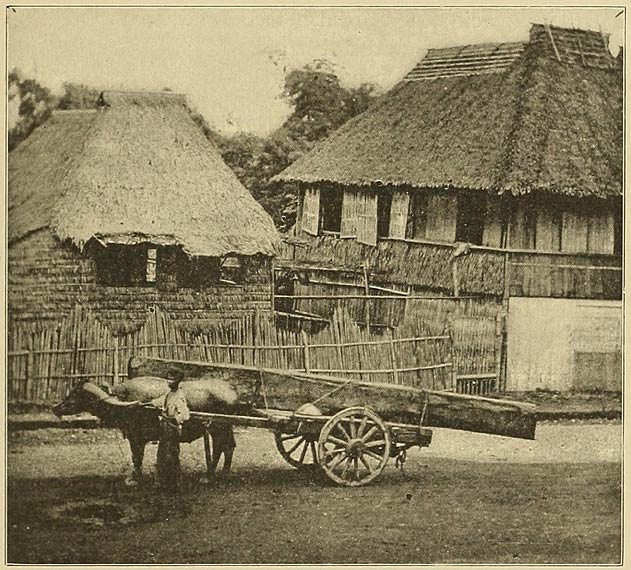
[539, 115]
[135, 169]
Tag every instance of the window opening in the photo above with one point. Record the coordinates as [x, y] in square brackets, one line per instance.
[417, 220]
[384, 204]
[470, 218]
[231, 271]
[331, 209]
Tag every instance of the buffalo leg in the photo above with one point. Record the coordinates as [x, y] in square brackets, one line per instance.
[137, 447]
[210, 468]
[228, 449]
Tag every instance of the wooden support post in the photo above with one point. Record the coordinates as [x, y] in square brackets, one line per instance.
[367, 300]
[305, 352]
[507, 276]
[272, 284]
[499, 343]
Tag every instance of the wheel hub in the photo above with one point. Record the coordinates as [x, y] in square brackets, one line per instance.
[355, 448]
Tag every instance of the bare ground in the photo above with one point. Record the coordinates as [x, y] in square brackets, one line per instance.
[468, 498]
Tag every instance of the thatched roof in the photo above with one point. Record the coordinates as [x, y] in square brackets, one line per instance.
[137, 168]
[545, 114]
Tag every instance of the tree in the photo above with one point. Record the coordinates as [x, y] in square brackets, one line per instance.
[78, 96]
[30, 105]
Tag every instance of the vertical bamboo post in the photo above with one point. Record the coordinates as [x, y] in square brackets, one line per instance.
[115, 378]
[255, 336]
[405, 304]
[367, 294]
[29, 374]
[272, 284]
[305, 349]
[393, 361]
[455, 278]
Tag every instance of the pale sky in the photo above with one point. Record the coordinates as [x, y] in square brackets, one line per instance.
[231, 61]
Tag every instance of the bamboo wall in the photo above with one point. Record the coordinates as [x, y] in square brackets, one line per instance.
[47, 278]
[43, 365]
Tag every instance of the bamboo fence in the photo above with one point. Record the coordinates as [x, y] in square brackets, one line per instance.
[44, 365]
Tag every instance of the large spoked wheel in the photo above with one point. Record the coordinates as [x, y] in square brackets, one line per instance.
[299, 450]
[354, 447]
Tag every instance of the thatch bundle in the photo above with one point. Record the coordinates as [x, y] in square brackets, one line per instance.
[137, 169]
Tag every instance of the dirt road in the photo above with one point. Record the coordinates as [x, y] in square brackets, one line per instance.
[468, 498]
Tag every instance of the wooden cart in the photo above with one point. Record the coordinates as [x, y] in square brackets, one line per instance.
[351, 447]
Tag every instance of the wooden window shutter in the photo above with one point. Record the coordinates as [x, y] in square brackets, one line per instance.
[399, 214]
[348, 227]
[367, 218]
[442, 211]
[574, 232]
[548, 230]
[600, 238]
[493, 230]
[311, 211]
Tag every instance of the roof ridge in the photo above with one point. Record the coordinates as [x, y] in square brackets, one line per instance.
[143, 92]
[73, 111]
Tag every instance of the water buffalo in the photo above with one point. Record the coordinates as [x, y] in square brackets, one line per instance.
[140, 423]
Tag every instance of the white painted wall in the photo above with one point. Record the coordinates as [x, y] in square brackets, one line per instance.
[547, 339]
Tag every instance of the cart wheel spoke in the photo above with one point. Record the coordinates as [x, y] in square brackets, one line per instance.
[346, 466]
[370, 433]
[362, 426]
[356, 468]
[373, 455]
[353, 428]
[337, 440]
[368, 467]
[295, 446]
[304, 452]
[372, 444]
[341, 428]
[363, 456]
[290, 436]
[333, 464]
[292, 451]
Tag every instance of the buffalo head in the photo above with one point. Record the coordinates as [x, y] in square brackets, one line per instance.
[81, 398]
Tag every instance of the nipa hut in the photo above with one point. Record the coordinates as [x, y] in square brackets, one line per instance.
[127, 207]
[490, 170]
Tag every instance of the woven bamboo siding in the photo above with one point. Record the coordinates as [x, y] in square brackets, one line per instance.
[44, 366]
[430, 267]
